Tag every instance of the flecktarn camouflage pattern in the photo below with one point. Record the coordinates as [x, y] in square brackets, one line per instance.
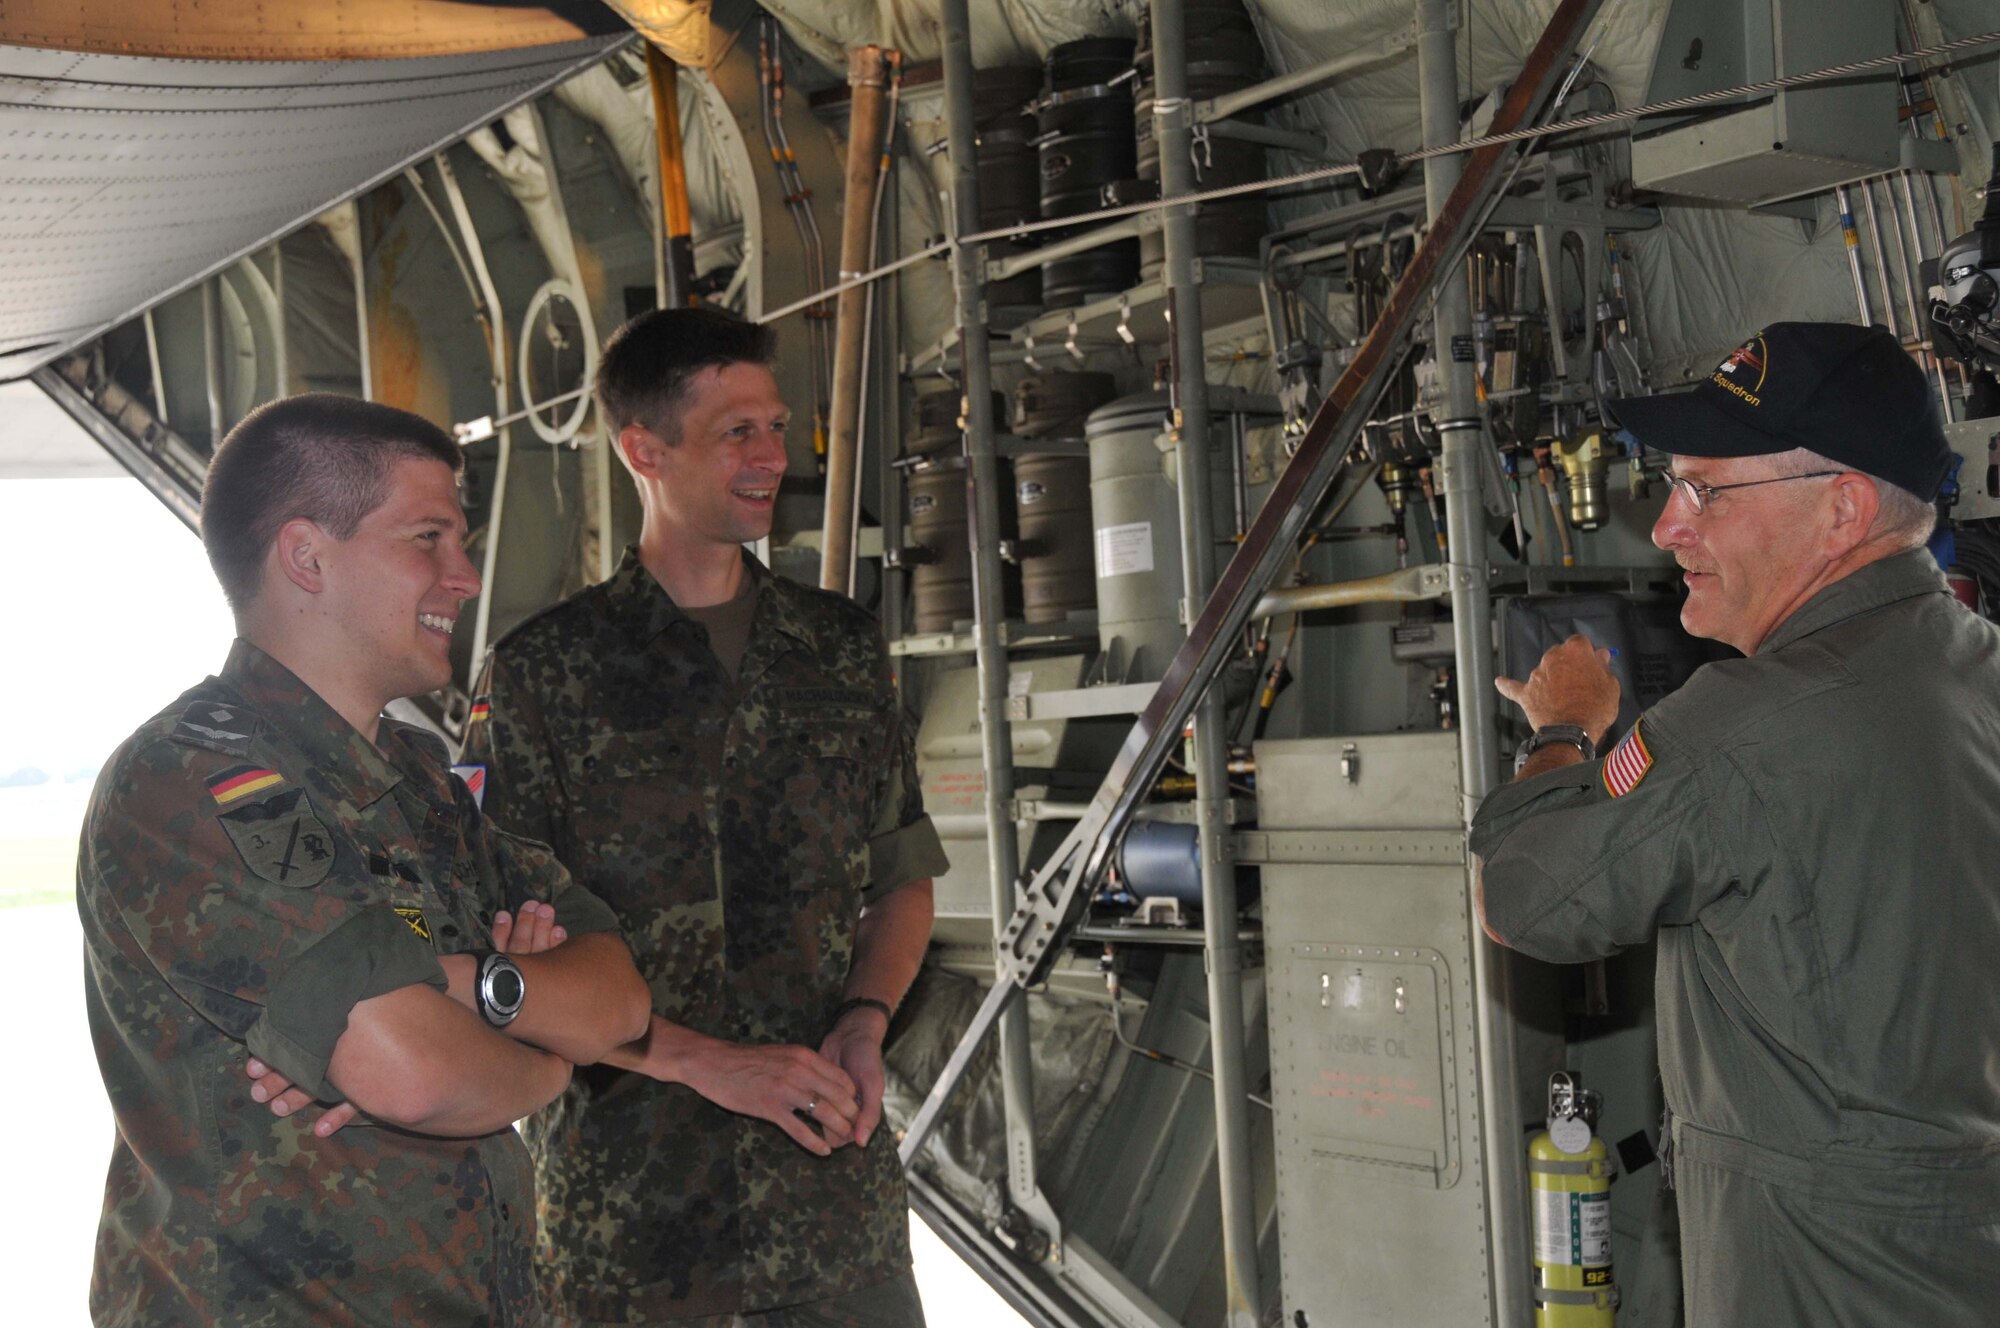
[737, 830]
[252, 867]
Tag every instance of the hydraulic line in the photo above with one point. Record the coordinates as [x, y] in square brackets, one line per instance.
[868, 76]
[1881, 259]
[771, 87]
[1545, 471]
[1160, 1057]
[1853, 239]
[676, 215]
[1911, 247]
[882, 176]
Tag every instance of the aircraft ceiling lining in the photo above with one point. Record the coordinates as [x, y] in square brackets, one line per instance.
[124, 179]
[1703, 278]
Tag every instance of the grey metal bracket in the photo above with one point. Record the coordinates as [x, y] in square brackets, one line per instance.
[1358, 848]
[125, 427]
[1081, 703]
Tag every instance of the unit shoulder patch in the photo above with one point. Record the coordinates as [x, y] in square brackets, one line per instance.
[281, 839]
[475, 782]
[1627, 763]
[217, 726]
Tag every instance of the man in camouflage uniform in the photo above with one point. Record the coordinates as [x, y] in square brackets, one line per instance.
[1809, 833]
[272, 871]
[720, 754]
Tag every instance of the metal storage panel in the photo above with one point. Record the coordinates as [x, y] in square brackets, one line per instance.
[1382, 1211]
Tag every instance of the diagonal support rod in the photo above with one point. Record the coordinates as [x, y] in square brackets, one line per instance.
[1042, 919]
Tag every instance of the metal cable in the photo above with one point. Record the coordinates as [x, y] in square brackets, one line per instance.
[1161, 1057]
[1335, 172]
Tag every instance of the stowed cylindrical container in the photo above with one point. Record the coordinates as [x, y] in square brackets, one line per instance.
[1223, 55]
[1085, 142]
[1136, 533]
[1009, 182]
[941, 579]
[936, 429]
[941, 547]
[1052, 499]
[1136, 528]
[1052, 494]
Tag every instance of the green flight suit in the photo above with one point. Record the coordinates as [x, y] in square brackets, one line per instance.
[1814, 836]
[251, 869]
[736, 827]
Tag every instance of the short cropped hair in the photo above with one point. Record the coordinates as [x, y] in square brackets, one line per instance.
[1900, 516]
[319, 456]
[644, 373]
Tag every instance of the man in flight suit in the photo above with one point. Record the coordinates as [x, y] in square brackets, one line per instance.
[720, 754]
[271, 871]
[1810, 832]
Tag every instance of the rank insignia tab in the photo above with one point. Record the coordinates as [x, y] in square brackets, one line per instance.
[218, 727]
[418, 923]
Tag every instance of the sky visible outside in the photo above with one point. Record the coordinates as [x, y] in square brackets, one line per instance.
[111, 613]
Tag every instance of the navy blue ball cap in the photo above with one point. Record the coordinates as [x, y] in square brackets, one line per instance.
[1849, 393]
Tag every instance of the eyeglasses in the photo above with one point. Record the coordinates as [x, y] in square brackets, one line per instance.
[1697, 495]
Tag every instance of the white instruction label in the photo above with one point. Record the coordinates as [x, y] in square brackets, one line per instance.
[1573, 1229]
[1020, 682]
[1125, 549]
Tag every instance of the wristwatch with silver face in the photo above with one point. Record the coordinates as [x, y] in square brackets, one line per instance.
[1573, 734]
[499, 989]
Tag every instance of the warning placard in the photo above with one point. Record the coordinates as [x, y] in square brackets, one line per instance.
[1125, 549]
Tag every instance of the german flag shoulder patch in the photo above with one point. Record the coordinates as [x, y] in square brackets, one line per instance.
[242, 781]
[1627, 764]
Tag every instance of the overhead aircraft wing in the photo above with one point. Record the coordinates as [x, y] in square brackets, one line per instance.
[125, 178]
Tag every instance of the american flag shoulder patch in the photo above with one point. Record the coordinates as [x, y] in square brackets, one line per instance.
[1627, 764]
[240, 782]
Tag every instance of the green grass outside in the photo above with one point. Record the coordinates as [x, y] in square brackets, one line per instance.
[37, 871]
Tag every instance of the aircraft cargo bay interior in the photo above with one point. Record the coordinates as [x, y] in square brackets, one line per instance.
[1209, 399]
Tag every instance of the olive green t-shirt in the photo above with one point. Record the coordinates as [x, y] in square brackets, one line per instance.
[728, 625]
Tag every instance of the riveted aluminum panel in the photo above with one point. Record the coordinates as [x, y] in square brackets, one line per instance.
[124, 179]
[1373, 781]
[1381, 1213]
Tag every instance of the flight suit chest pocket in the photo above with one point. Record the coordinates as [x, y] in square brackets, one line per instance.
[827, 793]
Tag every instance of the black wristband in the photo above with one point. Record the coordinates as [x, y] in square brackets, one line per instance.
[853, 1003]
[1548, 734]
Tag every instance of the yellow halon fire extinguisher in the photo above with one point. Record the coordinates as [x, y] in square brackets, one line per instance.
[1569, 1176]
